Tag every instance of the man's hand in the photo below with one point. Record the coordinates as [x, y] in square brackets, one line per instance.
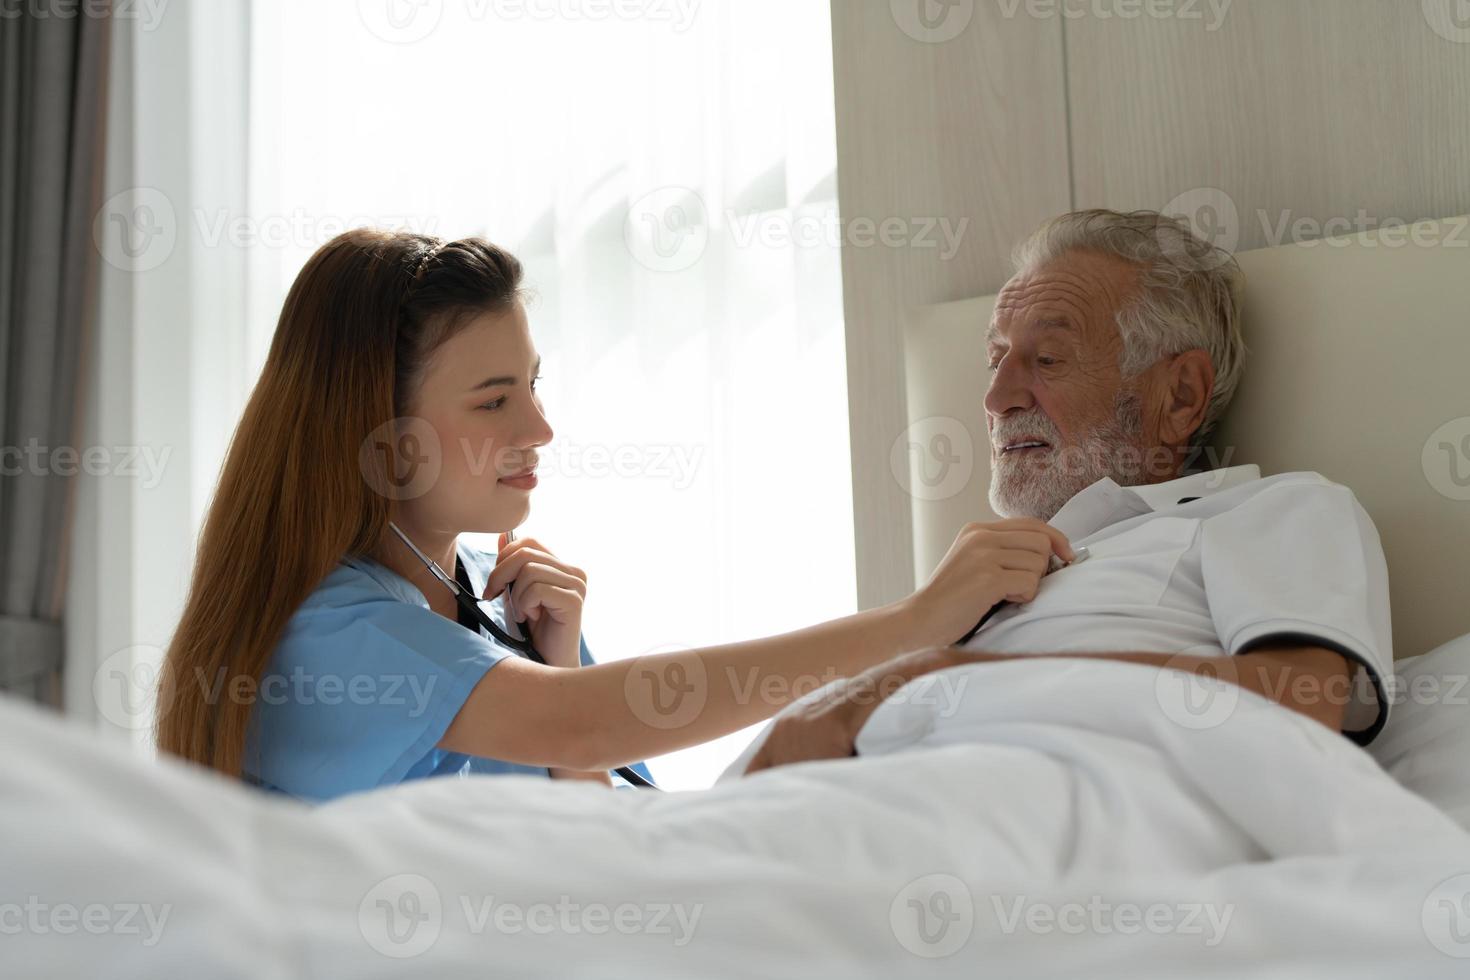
[827, 728]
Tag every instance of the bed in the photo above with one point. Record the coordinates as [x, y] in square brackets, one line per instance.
[1023, 820]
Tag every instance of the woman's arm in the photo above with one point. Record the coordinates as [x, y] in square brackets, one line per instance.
[597, 717]
[594, 776]
[606, 715]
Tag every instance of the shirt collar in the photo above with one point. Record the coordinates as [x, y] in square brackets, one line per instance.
[1160, 495]
[1105, 503]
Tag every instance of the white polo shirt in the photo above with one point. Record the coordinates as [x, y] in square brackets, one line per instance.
[1290, 558]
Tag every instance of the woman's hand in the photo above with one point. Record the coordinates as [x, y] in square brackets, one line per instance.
[547, 592]
[987, 563]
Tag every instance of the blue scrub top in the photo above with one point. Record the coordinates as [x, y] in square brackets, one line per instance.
[365, 682]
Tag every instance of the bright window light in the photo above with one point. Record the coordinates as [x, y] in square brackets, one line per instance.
[667, 172]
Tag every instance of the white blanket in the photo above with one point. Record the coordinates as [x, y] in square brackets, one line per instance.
[1027, 819]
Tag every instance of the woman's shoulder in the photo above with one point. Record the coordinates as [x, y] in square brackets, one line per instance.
[363, 601]
[358, 581]
[360, 601]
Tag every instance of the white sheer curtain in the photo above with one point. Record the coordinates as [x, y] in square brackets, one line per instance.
[169, 372]
[669, 179]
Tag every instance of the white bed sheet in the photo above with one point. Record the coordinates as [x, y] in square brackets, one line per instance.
[1025, 819]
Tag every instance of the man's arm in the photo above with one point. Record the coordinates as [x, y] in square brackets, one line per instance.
[1313, 681]
[1310, 680]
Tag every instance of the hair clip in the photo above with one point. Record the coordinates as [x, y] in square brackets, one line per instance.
[434, 250]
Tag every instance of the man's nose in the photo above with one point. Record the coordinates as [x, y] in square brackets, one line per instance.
[1010, 389]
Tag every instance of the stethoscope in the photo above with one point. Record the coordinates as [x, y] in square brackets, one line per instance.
[522, 645]
[1053, 564]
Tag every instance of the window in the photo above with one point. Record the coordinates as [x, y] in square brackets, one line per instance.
[667, 172]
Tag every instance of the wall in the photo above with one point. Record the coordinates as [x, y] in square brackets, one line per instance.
[1264, 121]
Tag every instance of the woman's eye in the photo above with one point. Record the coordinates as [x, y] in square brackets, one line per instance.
[497, 403]
[1046, 361]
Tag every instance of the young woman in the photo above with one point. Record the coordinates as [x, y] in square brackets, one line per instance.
[318, 655]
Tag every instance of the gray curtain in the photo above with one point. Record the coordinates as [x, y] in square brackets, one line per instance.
[53, 74]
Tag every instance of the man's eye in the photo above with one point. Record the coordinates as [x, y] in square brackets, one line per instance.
[1047, 361]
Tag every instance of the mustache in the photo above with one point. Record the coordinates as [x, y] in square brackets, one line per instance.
[1032, 425]
[1126, 423]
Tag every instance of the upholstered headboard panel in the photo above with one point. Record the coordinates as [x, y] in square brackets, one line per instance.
[1359, 368]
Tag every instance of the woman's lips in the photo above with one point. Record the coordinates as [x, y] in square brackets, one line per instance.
[526, 481]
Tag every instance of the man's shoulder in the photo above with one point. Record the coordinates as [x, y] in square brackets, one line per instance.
[1282, 496]
[1299, 484]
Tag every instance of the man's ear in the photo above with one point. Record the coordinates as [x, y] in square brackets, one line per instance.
[1190, 379]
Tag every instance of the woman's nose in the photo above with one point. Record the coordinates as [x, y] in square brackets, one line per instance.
[539, 431]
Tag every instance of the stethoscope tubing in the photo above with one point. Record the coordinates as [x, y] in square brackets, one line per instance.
[523, 644]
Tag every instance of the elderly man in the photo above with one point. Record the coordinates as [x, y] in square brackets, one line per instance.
[1113, 351]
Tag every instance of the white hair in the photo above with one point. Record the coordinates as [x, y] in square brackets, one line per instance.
[1188, 298]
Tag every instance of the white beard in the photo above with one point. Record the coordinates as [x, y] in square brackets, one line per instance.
[1038, 483]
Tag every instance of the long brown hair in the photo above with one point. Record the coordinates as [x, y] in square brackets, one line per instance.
[297, 492]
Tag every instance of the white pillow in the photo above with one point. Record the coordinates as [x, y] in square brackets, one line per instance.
[1426, 743]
